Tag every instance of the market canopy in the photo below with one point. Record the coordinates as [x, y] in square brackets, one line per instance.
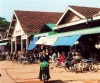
[66, 41]
[50, 41]
[32, 43]
[42, 40]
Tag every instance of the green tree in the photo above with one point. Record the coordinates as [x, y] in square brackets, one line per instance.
[4, 24]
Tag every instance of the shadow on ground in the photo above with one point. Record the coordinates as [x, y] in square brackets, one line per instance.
[59, 81]
[51, 81]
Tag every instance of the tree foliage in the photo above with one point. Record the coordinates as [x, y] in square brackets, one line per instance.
[4, 24]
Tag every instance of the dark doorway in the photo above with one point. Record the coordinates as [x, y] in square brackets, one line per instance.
[18, 39]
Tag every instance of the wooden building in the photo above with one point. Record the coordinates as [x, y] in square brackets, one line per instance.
[25, 24]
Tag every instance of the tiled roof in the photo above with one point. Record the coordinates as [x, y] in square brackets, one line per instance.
[33, 21]
[88, 12]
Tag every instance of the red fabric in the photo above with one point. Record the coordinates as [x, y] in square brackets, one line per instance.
[62, 59]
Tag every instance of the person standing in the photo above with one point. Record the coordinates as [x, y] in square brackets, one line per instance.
[62, 58]
[69, 59]
[46, 58]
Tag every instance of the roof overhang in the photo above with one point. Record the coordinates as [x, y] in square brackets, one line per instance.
[93, 30]
[41, 35]
[3, 43]
[70, 24]
[8, 38]
[31, 33]
[96, 17]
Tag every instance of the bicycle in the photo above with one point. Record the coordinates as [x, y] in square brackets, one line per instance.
[93, 67]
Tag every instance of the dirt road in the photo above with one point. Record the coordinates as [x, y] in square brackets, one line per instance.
[19, 73]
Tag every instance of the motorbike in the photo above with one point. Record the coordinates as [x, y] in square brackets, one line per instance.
[90, 65]
[69, 66]
[74, 66]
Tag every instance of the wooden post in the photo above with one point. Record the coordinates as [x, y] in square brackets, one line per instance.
[21, 43]
[15, 43]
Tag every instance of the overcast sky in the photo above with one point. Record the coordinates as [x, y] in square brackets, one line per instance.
[8, 6]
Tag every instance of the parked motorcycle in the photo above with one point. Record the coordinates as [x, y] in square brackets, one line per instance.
[75, 64]
[90, 65]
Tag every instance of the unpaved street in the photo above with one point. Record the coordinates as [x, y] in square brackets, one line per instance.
[19, 73]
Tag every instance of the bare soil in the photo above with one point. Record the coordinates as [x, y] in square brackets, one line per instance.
[28, 73]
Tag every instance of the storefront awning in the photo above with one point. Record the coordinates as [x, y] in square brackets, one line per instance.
[3, 43]
[50, 41]
[42, 40]
[32, 45]
[66, 41]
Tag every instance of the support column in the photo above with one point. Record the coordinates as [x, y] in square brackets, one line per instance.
[11, 46]
[27, 43]
[21, 43]
[15, 43]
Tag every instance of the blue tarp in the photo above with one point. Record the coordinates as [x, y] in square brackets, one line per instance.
[66, 41]
[32, 43]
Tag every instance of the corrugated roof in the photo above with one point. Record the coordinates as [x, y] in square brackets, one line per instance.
[51, 25]
[93, 30]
